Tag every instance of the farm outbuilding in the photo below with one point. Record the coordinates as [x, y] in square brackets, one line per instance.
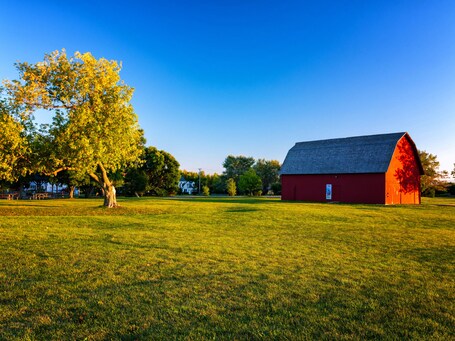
[373, 169]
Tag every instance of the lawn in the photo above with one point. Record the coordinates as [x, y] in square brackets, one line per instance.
[222, 268]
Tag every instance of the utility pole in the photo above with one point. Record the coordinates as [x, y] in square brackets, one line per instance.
[199, 181]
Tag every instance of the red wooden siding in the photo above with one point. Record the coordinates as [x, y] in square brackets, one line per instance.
[350, 188]
[403, 175]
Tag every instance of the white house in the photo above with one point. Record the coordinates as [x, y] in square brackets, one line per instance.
[187, 187]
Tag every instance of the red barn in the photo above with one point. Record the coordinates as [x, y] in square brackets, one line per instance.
[374, 169]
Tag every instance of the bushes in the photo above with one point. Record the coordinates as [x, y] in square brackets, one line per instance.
[230, 187]
[276, 188]
[250, 183]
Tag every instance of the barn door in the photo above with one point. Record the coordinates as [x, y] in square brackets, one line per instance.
[328, 192]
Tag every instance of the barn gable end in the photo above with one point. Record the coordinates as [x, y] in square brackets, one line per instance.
[403, 174]
[382, 169]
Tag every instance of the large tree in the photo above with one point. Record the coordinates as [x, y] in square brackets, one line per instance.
[235, 166]
[433, 180]
[94, 129]
[269, 172]
[162, 170]
[157, 175]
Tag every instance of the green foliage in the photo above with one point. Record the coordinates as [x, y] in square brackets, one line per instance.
[268, 171]
[191, 176]
[136, 182]
[205, 190]
[231, 187]
[433, 180]
[226, 268]
[214, 182]
[235, 166]
[158, 174]
[250, 183]
[94, 129]
[276, 188]
[14, 145]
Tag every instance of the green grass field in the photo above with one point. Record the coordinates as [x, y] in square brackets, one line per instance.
[226, 268]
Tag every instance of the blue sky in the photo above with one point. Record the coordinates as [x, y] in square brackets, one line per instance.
[214, 78]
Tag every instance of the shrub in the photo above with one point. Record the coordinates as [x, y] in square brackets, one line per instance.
[276, 188]
[230, 187]
[250, 183]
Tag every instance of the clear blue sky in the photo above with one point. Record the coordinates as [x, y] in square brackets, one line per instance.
[214, 78]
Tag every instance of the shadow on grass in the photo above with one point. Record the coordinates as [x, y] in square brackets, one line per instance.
[32, 205]
[228, 200]
[433, 255]
[239, 210]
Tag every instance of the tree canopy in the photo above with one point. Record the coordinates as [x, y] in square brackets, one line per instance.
[433, 180]
[235, 166]
[94, 129]
[14, 148]
[269, 172]
[162, 171]
[250, 183]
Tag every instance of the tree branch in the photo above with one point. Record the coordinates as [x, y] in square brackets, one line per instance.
[96, 178]
[54, 173]
[51, 106]
[104, 174]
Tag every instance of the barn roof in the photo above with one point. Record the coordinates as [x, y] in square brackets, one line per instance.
[360, 154]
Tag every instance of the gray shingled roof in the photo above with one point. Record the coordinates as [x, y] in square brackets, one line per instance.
[360, 154]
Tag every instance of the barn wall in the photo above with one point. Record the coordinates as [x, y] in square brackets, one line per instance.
[403, 175]
[351, 188]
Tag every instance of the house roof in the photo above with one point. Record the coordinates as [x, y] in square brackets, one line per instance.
[351, 155]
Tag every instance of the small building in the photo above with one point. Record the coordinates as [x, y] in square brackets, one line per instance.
[373, 169]
[187, 187]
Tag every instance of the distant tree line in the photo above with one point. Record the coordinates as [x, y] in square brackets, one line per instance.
[241, 175]
[434, 182]
[155, 173]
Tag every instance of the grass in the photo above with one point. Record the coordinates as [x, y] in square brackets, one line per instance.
[222, 268]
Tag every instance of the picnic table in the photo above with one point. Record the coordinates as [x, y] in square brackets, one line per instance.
[9, 196]
[39, 196]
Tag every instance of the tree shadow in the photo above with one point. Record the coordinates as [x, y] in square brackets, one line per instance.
[408, 175]
[230, 200]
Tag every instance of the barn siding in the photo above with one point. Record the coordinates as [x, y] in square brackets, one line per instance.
[403, 175]
[349, 188]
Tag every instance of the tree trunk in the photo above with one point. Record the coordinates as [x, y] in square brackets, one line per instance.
[107, 187]
[72, 191]
[110, 196]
